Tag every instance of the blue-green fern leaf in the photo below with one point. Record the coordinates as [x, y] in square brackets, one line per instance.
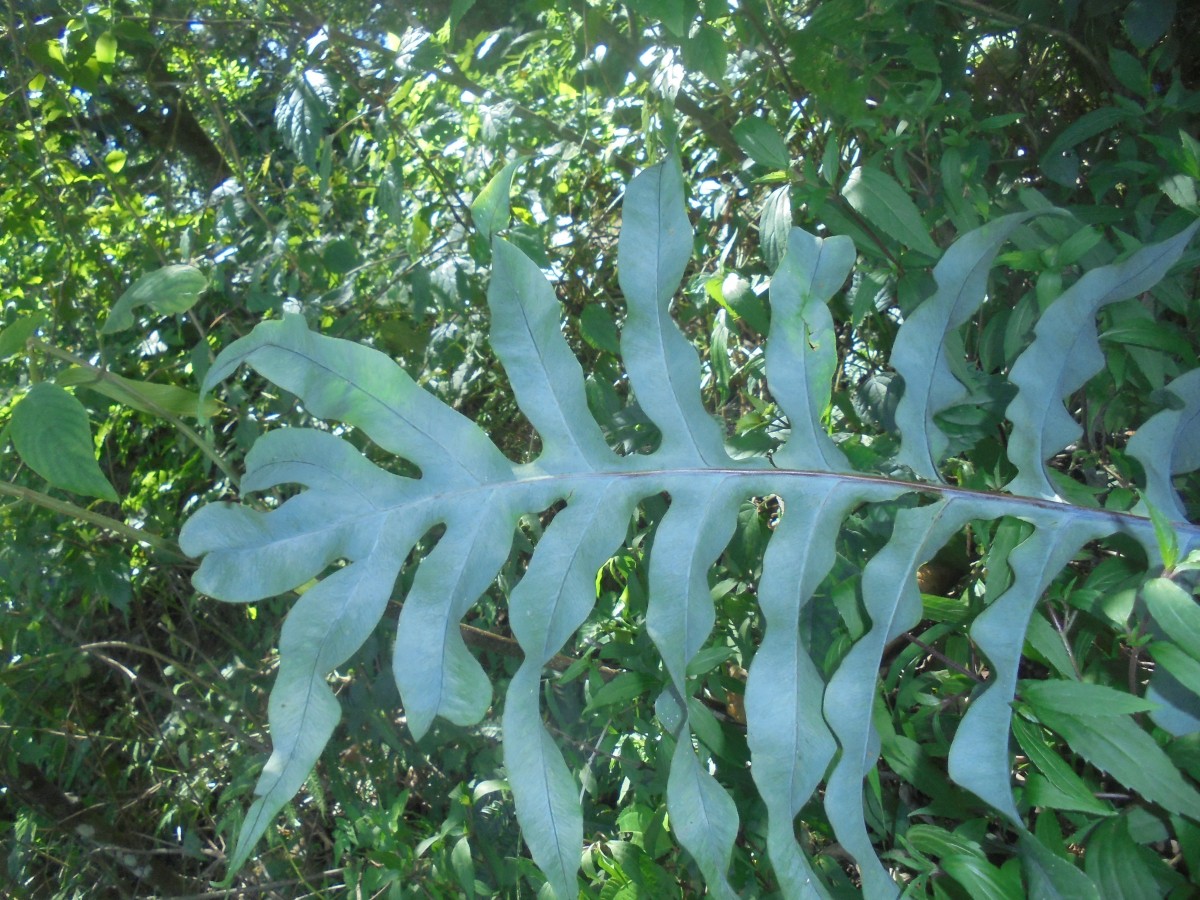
[353, 525]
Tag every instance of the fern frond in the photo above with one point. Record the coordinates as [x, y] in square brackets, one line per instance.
[354, 514]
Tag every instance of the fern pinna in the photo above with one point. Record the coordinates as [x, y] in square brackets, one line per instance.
[802, 732]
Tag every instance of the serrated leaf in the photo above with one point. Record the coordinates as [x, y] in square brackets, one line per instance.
[1080, 698]
[879, 199]
[1050, 877]
[1146, 21]
[1175, 612]
[1058, 774]
[1065, 353]
[51, 432]
[303, 112]
[1116, 745]
[170, 290]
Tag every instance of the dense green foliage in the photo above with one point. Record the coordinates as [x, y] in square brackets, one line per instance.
[172, 176]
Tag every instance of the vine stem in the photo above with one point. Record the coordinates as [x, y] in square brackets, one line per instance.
[104, 375]
[74, 511]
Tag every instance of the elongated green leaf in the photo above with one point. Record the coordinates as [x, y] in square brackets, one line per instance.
[1114, 864]
[1175, 612]
[882, 202]
[775, 225]
[1058, 774]
[53, 437]
[1183, 668]
[802, 351]
[1116, 745]
[168, 291]
[1080, 698]
[1065, 353]
[930, 338]
[1049, 876]
[145, 396]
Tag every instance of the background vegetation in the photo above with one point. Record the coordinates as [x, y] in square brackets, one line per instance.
[328, 162]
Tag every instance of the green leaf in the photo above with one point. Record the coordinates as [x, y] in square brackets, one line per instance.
[1176, 613]
[621, 690]
[114, 160]
[1086, 127]
[1116, 745]
[774, 225]
[1114, 864]
[1146, 21]
[490, 210]
[878, 198]
[106, 48]
[1051, 877]
[14, 338]
[53, 437]
[1183, 668]
[705, 51]
[341, 256]
[763, 143]
[169, 291]
[598, 329]
[1073, 793]
[146, 396]
[1080, 698]
[303, 113]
